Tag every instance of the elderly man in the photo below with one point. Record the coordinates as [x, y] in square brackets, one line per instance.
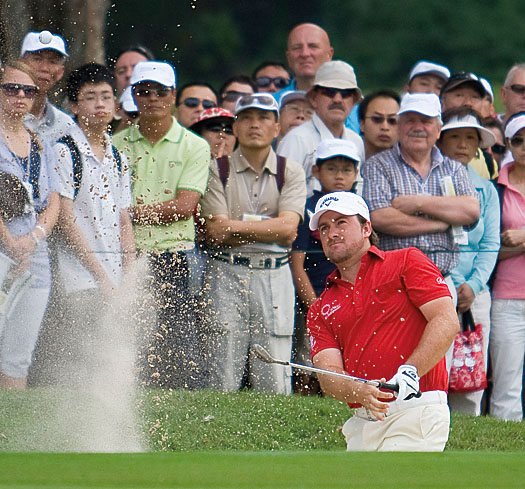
[415, 194]
[513, 92]
[252, 208]
[382, 314]
[334, 94]
[46, 54]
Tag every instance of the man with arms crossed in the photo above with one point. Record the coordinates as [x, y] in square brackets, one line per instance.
[382, 314]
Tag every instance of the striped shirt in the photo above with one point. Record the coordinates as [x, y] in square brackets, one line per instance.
[387, 175]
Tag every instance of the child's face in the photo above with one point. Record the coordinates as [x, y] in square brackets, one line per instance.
[336, 174]
[95, 104]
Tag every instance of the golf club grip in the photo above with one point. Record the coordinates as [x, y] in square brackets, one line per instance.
[390, 387]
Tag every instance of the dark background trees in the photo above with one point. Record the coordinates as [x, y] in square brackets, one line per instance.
[208, 39]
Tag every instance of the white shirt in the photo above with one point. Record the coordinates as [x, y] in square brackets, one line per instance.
[300, 144]
[52, 125]
[104, 191]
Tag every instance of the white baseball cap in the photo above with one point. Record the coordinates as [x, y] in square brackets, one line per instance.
[346, 203]
[330, 148]
[423, 103]
[127, 102]
[427, 68]
[514, 125]
[260, 100]
[337, 74]
[470, 121]
[290, 96]
[155, 71]
[38, 41]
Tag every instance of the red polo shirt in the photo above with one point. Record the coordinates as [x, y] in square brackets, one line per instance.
[376, 322]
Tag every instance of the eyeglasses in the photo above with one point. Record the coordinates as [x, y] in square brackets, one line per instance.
[516, 141]
[346, 170]
[332, 92]
[256, 98]
[265, 81]
[104, 97]
[233, 95]
[380, 119]
[517, 89]
[498, 149]
[13, 89]
[146, 92]
[192, 102]
[296, 110]
[218, 127]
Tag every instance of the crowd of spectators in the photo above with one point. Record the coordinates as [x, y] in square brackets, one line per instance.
[215, 188]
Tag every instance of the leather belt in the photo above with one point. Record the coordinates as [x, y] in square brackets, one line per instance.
[255, 261]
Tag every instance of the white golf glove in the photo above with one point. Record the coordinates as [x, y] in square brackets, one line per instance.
[408, 381]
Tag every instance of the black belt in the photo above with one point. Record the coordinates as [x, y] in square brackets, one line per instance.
[256, 261]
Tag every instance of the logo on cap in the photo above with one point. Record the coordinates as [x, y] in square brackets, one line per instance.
[328, 201]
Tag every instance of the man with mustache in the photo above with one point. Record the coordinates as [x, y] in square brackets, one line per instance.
[406, 188]
[334, 94]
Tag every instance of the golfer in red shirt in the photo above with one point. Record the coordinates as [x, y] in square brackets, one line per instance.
[382, 315]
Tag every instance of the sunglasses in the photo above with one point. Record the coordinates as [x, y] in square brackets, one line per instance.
[266, 81]
[233, 95]
[146, 92]
[518, 89]
[380, 119]
[193, 102]
[332, 92]
[498, 149]
[265, 100]
[516, 141]
[13, 89]
[218, 127]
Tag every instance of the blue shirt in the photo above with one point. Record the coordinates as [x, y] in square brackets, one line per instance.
[478, 258]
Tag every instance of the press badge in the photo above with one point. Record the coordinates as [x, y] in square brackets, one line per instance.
[253, 217]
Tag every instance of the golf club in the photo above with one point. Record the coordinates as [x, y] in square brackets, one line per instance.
[263, 355]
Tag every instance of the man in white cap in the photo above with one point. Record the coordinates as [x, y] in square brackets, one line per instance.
[427, 77]
[334, 94]
[170, 165]
[415, 194]
[253, 205]
[382, 315]
[46, 54]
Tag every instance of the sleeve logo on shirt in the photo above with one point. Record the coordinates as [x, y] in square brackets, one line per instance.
[327, 310]
[440, 281]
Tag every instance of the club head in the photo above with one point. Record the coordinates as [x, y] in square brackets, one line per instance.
[262, 354]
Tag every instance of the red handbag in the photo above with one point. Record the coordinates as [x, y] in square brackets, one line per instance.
[468, 365]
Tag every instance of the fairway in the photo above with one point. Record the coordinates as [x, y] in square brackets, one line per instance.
[283, 470]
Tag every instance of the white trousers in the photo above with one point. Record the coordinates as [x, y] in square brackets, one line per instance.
[507, 351]
[470, 402]
[19, 334]
[250, 306]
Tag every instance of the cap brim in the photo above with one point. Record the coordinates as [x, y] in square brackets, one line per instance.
[314, 221]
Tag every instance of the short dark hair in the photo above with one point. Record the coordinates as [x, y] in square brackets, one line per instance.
[245, 80]
[490, 121]
[265, 64]
[385, 93]
[135, 48]
[373, 238]
[178, 98]
[92, 73]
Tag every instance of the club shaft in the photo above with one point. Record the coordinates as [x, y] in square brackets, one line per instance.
[376, 383]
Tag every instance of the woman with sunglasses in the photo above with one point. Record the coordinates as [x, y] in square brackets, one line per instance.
[507, 337]
[23, 238]
[215, 125]
[461, 138]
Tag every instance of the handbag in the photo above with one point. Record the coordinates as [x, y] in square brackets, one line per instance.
[468, 372]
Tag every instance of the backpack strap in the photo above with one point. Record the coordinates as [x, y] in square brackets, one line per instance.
[77, 161]
[118, 158]
[489, 162]
[223, 165]
[34, 167]
[281, 168]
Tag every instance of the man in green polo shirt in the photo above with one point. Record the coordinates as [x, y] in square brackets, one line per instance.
[169, 167]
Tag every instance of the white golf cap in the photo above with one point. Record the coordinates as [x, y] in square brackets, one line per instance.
[331, 148]
[126, 101]
[38, 41]
[488, 88]
[423, 103]
[337, 74]
[155, 71]
[514, 125]
[427, 68]
[261, 101]
[470, 121]
[345, 203]
[291, 96]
